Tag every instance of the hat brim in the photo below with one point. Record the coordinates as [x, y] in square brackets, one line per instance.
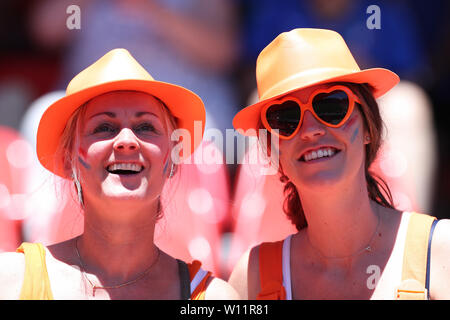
[184, 105]
[381, 81]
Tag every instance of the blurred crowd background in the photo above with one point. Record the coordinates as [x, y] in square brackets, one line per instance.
[210, 47]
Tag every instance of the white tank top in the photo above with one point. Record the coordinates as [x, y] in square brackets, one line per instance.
[395, 259]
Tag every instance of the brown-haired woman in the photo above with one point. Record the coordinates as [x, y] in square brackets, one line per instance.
[110, 136]
[351, 242]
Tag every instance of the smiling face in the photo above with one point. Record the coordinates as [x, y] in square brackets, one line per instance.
[319, 155]
[122, 150]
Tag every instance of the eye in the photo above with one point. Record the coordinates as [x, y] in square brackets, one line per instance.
[145, 128]
[105, 127]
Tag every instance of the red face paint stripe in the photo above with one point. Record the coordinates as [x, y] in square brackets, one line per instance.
[82, 158]
[82, 152]
[166, 156]
[350, 122]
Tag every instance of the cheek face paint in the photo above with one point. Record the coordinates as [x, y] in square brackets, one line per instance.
[81, 157]
[166, 163]
[349, 124]
[355, 133]
[165, 167]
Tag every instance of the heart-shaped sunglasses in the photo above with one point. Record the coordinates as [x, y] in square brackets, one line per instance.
[331, 106]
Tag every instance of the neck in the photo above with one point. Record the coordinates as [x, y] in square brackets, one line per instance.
[343, 225]
[111, 234]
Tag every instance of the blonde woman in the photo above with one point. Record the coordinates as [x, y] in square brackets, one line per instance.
[110, 135]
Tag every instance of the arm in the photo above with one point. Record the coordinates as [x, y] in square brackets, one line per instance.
[12, 269]
[440, 262]
[245, 275]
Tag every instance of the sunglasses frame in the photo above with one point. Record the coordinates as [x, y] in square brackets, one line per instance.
[352, 98]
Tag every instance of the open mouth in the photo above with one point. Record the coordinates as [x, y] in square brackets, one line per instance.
[125, 168]
[325, 152]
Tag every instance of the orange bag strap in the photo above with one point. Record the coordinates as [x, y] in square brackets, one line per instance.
[198, 278]
[415, 258]
[36, 284]
[271, 271]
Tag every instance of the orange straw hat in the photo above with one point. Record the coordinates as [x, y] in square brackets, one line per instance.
[116, 70]
[301, 58]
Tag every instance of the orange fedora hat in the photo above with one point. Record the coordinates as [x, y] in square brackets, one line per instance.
[301, 58]
[116, 70]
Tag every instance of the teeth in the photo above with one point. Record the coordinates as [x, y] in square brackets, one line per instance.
[125, 166]
[331, 152]
[326, 152]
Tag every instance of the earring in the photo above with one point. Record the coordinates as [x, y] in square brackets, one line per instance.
[367, 138]
[78, 187]
[79, 191]
[172, 171]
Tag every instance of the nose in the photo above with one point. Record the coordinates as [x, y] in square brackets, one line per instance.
[126, 141]
[310, 128]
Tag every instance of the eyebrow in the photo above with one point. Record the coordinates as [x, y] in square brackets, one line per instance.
[143, 113]
[113, 115]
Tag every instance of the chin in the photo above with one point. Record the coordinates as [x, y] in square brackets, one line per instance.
[123, 193]
[320, 180]
[126, 196]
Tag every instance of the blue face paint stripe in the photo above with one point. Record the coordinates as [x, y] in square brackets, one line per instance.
[355, 133]
[84, 164]
[165, 166]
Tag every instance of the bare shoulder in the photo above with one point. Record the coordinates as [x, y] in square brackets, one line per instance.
[12, 269]
[440, 261]
[440, 244]
[245, 275]
[218, 289]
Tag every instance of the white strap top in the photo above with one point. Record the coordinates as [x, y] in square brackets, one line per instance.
[286, 265]
[397, 253]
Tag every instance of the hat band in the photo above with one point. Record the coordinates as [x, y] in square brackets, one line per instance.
[304, 79]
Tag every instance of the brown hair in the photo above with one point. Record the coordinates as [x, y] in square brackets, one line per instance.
[377, 188]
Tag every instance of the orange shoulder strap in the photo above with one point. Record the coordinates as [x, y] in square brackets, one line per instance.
[198, 278]
[271, 271]
[415, 257]
[36, 284]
